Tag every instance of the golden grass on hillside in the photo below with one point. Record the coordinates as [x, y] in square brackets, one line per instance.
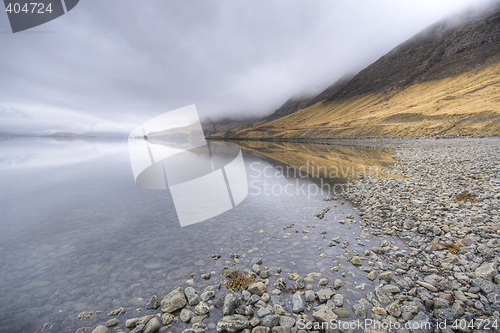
[462, 105]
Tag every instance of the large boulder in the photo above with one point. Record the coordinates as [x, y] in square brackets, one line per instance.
[297, 303]
[174, 301]
[324, 314]
[486, 271]
[257, 288]
[232, 323]
[152, 326]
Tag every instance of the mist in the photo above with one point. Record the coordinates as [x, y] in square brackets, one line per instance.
[108, 66]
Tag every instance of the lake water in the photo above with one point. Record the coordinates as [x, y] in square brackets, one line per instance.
[77, 234]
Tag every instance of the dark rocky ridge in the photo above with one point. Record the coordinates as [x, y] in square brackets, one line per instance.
[449, 48]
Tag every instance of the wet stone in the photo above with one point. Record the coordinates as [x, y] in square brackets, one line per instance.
[153, 304]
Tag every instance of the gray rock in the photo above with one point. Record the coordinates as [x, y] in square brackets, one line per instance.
[342, 313]
[286, 321]
[494, 300]
[261, 329]
[100, 329]
[383, 297]
[407, 316]
[299, 283]
[371, 297]
[138, 329]
[297, 303]
[406, 283]
[360, 310]
[486, 271]
[249, 310]
[186, 315]
[245, 295]
[167, 318]
[391, 289]
[115, 312]
[440, 303]
[133, 322]
[310, 296]
[232, 323]
[192, 296]
[207, 295]
[356, 261]
[270, 321]
[197, 328]
[276, 300]
[153, 304]
[87, 314]
[257, 288]
[256, 261]
[231, 302]
[174, 301]
[152, 326]
[420, 324]
[323, 282]
[448, 314]
[325, 294]
[386, 276]
[281, 329]
[84, 330]
[201, 308]
[279, 310]
[264, 311]
[486, 286]
[393, 309]
[253, 299]
[338, 300]
[280, 284]
[254, 322]
[112, 322]
[338, 283]
[372, 275]
[324, 314]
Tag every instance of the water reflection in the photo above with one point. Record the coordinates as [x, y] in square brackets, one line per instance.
[45, 152]
[337, 163]
[79, 235]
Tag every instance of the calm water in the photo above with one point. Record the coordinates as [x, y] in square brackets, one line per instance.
[77, 234]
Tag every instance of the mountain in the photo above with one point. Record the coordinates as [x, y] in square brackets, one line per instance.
[443, 81]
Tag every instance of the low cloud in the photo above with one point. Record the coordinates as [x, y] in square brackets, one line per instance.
[109, 65]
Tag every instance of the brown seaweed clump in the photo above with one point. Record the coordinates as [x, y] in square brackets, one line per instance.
[237, 281]
[453, 248]
[466, 196]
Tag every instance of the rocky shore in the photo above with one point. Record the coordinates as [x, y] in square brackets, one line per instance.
[442, 199]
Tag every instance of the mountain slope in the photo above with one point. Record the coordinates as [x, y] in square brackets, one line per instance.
[444, 80]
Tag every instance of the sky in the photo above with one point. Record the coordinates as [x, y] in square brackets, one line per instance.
[108, 66]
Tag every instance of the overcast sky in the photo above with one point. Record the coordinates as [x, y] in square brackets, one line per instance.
[111, 65]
